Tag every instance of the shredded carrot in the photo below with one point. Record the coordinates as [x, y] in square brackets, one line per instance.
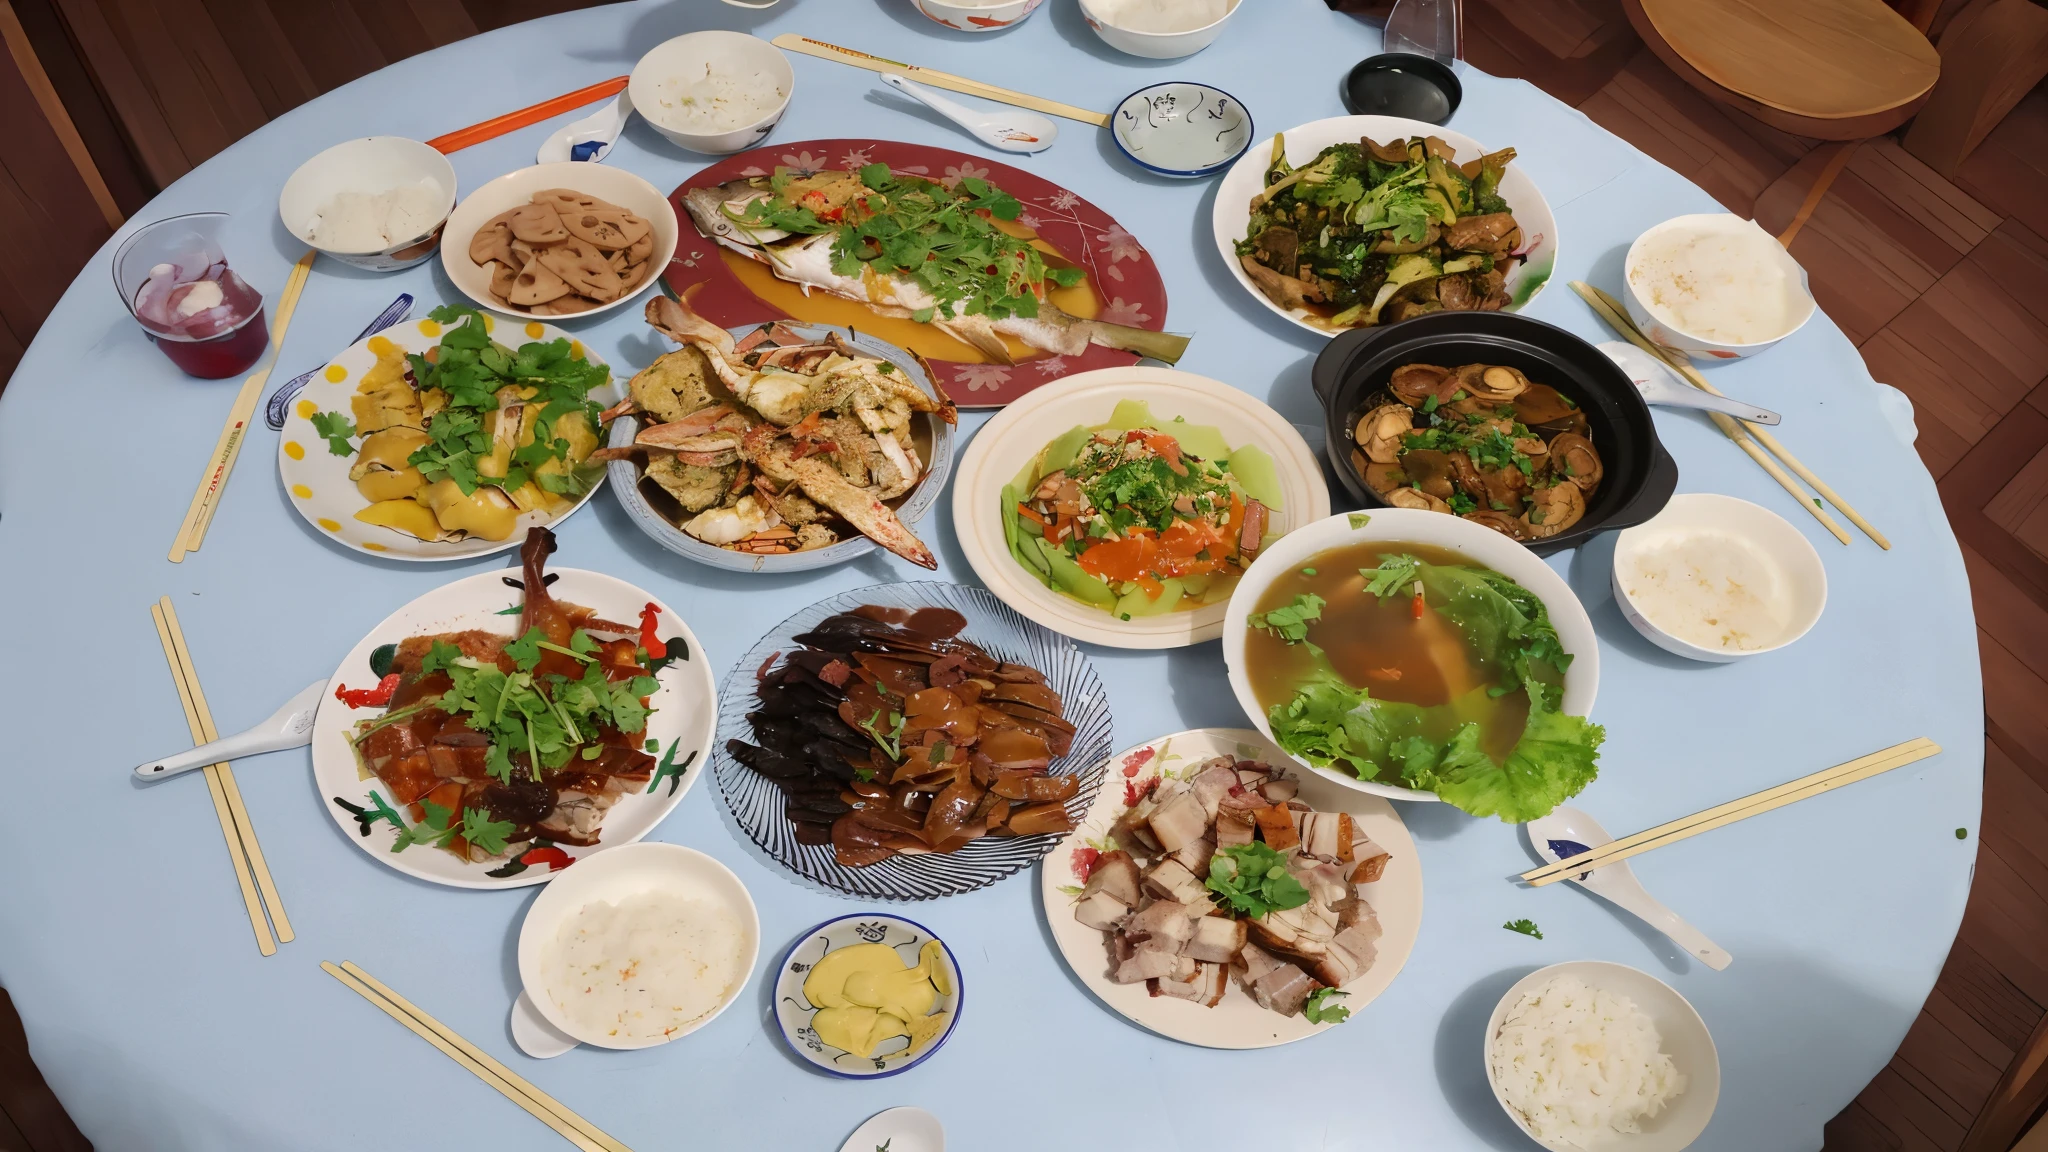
[1031, 514]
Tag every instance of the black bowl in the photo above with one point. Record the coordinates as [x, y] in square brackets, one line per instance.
[1402, 84]
[1640, 474]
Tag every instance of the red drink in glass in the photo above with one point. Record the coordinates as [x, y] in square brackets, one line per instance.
[176, 282]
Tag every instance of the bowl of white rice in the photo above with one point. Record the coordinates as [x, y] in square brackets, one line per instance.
[1158, 29]
[1589, 1056]
[377, 202]
[715, 92]
[977, 15]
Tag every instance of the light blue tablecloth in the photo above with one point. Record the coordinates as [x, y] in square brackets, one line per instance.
[126, 948]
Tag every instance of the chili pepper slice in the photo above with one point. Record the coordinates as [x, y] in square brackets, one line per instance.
[368, 697]
[553, 857]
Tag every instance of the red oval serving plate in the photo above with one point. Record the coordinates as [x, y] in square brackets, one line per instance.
[1121, 274]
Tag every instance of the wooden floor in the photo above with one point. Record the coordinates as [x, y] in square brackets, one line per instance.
[1943, 285]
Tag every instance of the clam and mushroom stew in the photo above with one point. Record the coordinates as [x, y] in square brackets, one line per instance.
[1481, 441]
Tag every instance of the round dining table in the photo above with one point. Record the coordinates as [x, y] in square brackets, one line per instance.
[127, 949]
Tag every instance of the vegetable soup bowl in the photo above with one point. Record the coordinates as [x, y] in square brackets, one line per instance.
[1402, 526]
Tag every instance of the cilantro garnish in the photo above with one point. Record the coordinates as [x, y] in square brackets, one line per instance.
[1358, 520]
[1290, 623]
[1525, 927]
[864, 774]
[945, 239]
[1253, 879]
[1394, 577]
[472, 372]
[892, 741]
[1320, 1009]
[1962, 833]
[1461, 503]
[337, 429]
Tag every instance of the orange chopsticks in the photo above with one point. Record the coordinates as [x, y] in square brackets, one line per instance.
[513, 121]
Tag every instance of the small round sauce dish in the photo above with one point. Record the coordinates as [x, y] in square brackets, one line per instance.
[1716, 579]
[1181, 129]
[867, 996]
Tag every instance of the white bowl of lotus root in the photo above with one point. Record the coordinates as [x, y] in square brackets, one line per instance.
[557, 240]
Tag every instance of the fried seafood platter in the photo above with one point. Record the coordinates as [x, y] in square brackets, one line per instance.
[910, 740]
[488, 736]
[1213, 896]
[783, 441]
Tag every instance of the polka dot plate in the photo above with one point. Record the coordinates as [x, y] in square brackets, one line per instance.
[317, 480]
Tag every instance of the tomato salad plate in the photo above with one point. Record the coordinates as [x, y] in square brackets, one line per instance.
[1218, 895]
[1121, 506]
[999, 278]
[497, 729]
[447, 438]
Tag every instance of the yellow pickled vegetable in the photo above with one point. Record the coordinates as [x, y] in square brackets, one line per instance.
[866, 994]
[381, 471]
[486, 513]
[408, 516]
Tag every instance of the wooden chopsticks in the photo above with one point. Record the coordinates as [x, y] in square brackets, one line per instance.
[531, 114]
[251, 872]
[548, 1110]
[199, 516]
[1861, 768]
[1751, 438]
[791, 42]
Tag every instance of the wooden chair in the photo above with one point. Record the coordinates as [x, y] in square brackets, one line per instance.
[1994, 52]
[1826, 69]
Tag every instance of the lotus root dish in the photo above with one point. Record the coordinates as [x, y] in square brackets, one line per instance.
[562, 253]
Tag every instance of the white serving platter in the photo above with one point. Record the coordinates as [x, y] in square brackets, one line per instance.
[1237, 1021]
[1007, 443]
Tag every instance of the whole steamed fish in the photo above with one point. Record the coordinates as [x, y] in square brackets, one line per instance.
[733, 216]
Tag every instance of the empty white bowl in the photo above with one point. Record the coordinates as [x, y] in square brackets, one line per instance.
[1153, 45]
[1722, 539]
[1476, 542]
[509, 191]
[622, 872]
[1681, 1034]
[369, 165]
[1661, 328]
[685, 58]
[1181, 129]
[992, 17]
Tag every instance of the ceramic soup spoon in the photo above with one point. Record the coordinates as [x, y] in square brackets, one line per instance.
[1569, 832]
[1012, 129]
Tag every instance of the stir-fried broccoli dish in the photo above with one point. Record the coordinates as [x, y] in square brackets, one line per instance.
[1372, 233]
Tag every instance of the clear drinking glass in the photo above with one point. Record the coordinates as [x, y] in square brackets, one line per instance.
[175, 280]
[1424, 28]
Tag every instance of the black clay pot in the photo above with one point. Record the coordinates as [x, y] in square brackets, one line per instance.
[1640, 474]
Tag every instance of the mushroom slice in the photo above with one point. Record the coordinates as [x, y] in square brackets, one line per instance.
[493, 241]
[1500, 522]
[1572, 456]
[536, 284]
[537, 224]
[1493, 382]
[1466, 475]
[596, 229]
[1554, 509]
[1380, 433]
[502, 277]
[1429, 470]
[1414, 384]
[1392, 152]
[1415, 498]
[584, 269]
[1542, 404]
[1381, 478]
